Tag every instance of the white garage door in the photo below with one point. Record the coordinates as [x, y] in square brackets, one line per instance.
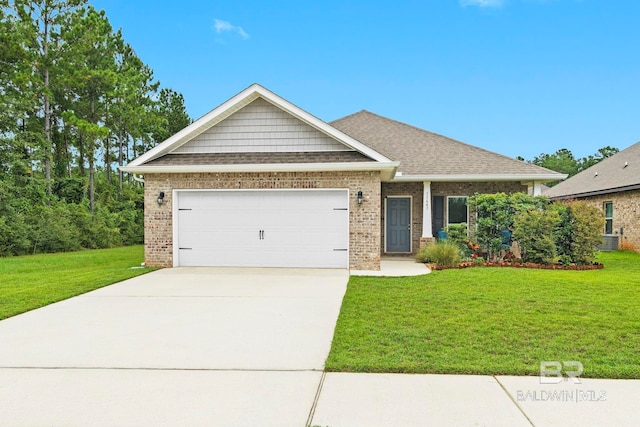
[262, 228]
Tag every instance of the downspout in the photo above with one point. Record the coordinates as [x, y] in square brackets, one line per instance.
[135, 178]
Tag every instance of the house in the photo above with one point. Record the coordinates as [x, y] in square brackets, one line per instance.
[612, 185]
[260, 182]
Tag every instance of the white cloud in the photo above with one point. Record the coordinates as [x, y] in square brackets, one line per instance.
[221, 26]
[482, 3]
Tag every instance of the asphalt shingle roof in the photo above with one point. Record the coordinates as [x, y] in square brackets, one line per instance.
[612, 175]
[259, 158]
[421, 152]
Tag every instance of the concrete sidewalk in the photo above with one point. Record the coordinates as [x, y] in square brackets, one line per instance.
[395, 267]
[403, 400]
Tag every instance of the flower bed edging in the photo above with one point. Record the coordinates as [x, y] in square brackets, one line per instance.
[530, 265]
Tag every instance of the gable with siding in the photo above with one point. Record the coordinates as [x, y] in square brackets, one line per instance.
[261, 127]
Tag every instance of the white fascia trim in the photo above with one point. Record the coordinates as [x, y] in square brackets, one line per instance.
[234, 104]
[479, 177]
[388, 167]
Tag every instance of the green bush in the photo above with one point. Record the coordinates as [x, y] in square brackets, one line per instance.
[563, 234]
[534, 231]
[32, 221]
[579, 233]
[587, 226]
[443, 254]
[497, 212]
[459, 234]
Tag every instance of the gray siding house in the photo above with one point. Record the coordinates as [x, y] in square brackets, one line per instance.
[259, 182]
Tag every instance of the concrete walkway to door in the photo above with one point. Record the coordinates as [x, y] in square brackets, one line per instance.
[184, 346]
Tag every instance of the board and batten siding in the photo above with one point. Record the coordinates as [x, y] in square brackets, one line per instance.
[261, 127]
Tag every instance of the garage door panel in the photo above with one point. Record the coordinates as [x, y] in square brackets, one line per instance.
[263, 228]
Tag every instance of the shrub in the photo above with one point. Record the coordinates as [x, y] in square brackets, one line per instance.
[579, 232]
[443, 254]
[534, 232]
[497, 212]
[587, 224]
[458, 234]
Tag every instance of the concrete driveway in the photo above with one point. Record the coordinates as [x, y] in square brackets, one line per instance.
[185, 346]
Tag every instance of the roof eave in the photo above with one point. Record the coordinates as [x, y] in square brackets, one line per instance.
[540, 178]
[596, 192]
[387, 169]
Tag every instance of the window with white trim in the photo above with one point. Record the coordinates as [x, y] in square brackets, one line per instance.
[457, 210]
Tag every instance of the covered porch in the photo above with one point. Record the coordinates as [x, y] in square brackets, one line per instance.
[412, 212]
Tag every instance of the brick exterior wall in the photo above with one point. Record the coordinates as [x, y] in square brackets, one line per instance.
[626, 214]
[364, 220]
[415, 190]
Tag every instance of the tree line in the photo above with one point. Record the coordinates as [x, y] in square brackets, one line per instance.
[564, 161]
[77, 102]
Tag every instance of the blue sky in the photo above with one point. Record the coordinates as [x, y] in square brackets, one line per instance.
[519, 77]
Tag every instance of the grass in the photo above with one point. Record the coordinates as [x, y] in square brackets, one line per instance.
[29, 282]
[493, 321]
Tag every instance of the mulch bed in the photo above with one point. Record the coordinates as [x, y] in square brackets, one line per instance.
[594, 266]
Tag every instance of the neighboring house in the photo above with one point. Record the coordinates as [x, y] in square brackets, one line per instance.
[612, 185]
[260, 182]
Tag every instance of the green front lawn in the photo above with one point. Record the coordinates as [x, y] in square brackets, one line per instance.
[494, 321]
[29, 282]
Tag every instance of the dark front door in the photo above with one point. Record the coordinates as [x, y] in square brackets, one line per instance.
[398, 224]
[438, 214]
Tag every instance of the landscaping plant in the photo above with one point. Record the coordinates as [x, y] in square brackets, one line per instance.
[443, 253]
[459, 234]
[568, 232]
[496, 213]
[534, 231]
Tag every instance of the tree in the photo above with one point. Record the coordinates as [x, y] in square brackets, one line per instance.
[563, 161]
[39, 23]
[75, 99]
[600, 155]
[173, 115]
[90, 77]
[132, 100]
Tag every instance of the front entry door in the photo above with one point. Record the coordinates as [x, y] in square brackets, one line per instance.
[398, 224]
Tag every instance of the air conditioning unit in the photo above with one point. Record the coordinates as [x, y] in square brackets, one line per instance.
[610, 243]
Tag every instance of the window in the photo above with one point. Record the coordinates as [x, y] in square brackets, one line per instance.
[608, 217]
[457, 210]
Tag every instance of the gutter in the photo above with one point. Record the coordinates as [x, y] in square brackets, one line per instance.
[596, 192]
[267, 167]
[478, 177]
